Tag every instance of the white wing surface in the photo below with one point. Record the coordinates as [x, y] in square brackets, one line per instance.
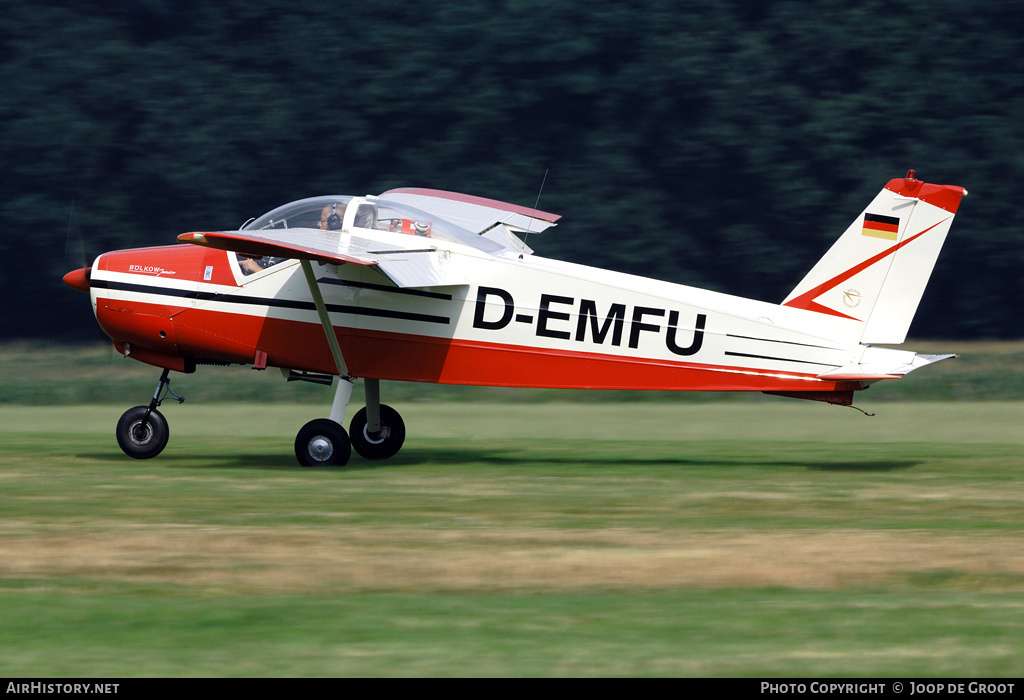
[416, 265]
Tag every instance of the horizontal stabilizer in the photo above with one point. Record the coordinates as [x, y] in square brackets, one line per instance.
[882, 363]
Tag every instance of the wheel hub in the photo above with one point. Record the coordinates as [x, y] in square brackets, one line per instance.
[321, 448]
[376, 438]
[140, 433]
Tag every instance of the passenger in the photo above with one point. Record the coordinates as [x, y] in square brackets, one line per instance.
[331, 217]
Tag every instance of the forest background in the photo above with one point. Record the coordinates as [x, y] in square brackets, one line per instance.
[713, 143]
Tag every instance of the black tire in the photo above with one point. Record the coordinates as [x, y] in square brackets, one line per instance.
[383, 445]
[322, 443]
[142, 440]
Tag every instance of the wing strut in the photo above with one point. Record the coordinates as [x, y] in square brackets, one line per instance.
[325, 319]
[344, 391]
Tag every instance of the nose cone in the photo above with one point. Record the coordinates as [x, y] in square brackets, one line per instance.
[78, 279]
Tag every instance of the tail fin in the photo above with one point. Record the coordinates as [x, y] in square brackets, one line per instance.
[877, 271]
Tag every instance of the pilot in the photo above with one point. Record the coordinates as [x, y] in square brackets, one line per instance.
[250, 265]
[331, 217]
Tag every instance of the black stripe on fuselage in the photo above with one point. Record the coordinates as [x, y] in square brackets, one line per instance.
[783, 342]
[779, 359]
[263, 301]
[385, 288]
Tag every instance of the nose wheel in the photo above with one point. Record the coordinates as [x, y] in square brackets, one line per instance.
[142, 431]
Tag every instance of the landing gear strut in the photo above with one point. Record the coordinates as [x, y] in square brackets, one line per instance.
[377, 431]
[142, 431]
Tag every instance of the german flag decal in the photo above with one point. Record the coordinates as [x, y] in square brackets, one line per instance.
[878, 226]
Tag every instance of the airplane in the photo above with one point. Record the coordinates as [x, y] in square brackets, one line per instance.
[423, 285]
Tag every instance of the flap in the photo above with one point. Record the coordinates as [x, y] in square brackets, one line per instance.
[424, 268]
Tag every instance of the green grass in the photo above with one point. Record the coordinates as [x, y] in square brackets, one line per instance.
[773, 538]
[679, 633]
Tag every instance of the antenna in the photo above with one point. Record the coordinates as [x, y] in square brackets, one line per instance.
[535, 205]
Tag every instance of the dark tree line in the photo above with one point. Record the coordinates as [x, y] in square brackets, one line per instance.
[721, 144]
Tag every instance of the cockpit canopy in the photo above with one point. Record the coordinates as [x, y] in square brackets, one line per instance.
[346, 213]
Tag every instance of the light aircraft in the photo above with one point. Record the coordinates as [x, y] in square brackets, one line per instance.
[424, 285]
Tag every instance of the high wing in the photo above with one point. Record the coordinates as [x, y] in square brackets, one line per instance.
[415, 265]
[494, 220]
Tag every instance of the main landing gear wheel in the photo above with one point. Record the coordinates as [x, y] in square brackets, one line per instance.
[383, 444]
[140, 436]
[322, 443]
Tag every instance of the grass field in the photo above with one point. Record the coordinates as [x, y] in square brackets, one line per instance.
[769, 538]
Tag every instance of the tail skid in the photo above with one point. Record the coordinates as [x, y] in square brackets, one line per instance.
[876, 273]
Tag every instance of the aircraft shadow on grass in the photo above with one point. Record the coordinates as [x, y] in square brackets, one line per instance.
[890, 465]
[413, 457]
